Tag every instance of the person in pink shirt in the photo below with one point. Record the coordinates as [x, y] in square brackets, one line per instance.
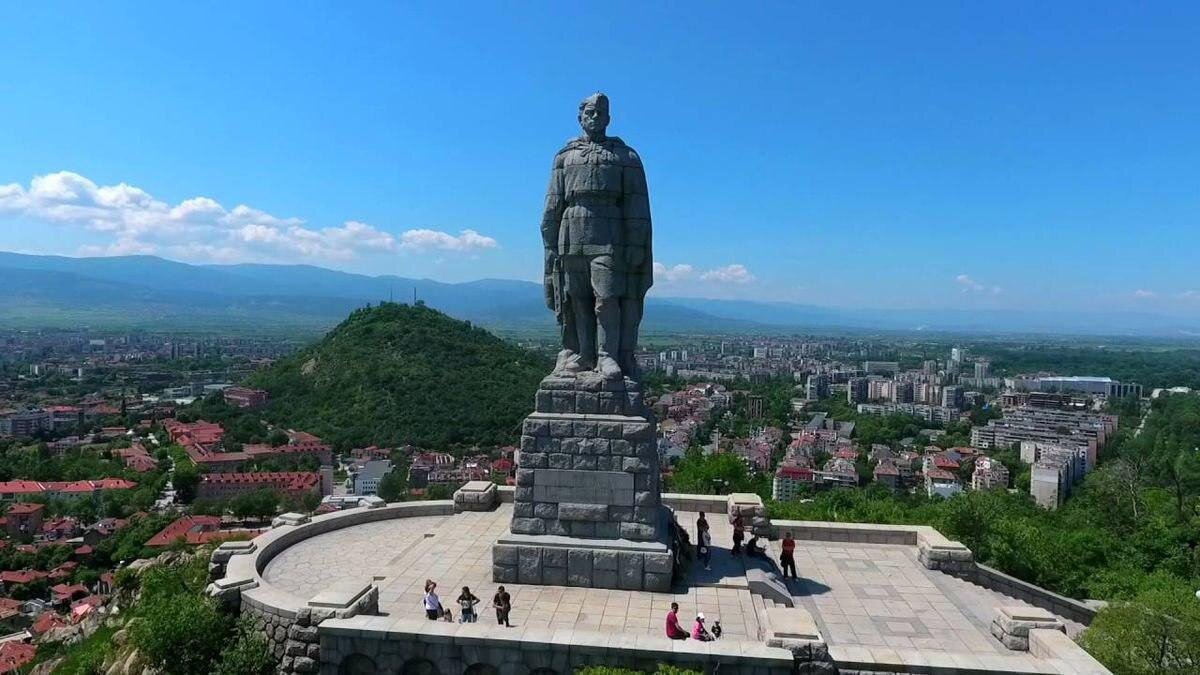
[699, 632]
[674, 630]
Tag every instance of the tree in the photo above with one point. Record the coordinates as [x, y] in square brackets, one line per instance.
[186, 479]
[718, 473]
[178, 628]
[260, 503]
[392, 487]
[1157, 632]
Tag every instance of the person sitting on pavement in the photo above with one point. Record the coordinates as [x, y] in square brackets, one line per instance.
[699, 632]
[674, 630]
[716, 629]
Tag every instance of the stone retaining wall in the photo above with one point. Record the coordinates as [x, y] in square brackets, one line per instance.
[367, 645]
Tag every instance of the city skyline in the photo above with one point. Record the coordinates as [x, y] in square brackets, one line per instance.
[1001, 163]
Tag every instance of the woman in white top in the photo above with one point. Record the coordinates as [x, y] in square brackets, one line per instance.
[433, 606]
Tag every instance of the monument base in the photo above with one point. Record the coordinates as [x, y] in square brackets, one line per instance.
[557, 560]
[587, 509]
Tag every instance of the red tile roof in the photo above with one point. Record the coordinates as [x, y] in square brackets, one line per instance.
[47, 621]
[187, 528]
[21, 576]
[14, 655]
[24, 508]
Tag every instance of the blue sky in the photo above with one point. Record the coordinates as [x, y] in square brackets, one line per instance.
[877, 155]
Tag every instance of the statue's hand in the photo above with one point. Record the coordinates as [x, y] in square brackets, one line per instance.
[634, 255]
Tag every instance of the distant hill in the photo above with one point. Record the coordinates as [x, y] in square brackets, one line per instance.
[150, 292]
[395, 374]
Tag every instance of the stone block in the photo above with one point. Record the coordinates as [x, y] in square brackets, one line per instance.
[558, 527]
[637, 531]
[562, 402]
[621, 447]
[523, 509]
[605, 463]
[535, 427]
[543, 400]
[635, 465]
[587, 403]
[604, 560]
[604, 579]
[629, 570]
[554, 557]
[657, 582]
[529, 565]
[609, 430]
[523, 494]
[525, 476]
[504, 555]
[610, 403]
[608, 530]
[592, 512]
[594, 446]
[660, 563]
[547, 444]
[561, 429]
[528, 526]
[645, 498]
[545, 510]
[582, 528]
[579, 567]
[554, 576]
[584, 430]
[560, 460]
[534, 460]
[637, 431]
[620, 514]
[528, 444]
[584, 462]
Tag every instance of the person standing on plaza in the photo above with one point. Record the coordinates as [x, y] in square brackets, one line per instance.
[433, 605]
[674, 630]
[466, 603]
[787, 558]
[739, 533]
[503, 604]
[706, 549]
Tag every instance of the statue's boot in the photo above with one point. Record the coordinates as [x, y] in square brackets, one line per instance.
[568, 363]
[629, 364]
[608, 366]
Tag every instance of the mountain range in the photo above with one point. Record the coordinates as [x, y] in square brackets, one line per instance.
[147, 291]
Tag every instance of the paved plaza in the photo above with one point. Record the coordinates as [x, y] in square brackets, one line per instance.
[870, 595]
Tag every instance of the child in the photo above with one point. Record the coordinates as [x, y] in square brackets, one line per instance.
[716, 629]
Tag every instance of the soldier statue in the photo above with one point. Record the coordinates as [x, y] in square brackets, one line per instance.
[598, 263]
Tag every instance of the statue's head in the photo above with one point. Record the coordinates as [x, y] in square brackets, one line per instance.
[593, 115]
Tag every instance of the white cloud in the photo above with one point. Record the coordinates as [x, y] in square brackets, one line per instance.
[1143, 293]
[1190, 295]
[729, 274]
[674, 273]
[433, 240]
[969, 285]
[201, 228]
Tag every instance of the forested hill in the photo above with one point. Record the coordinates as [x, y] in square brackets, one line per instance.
[395, 374]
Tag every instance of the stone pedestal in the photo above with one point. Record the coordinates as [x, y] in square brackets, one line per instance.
[587, 509]
[476, 495]
[1011, 625]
